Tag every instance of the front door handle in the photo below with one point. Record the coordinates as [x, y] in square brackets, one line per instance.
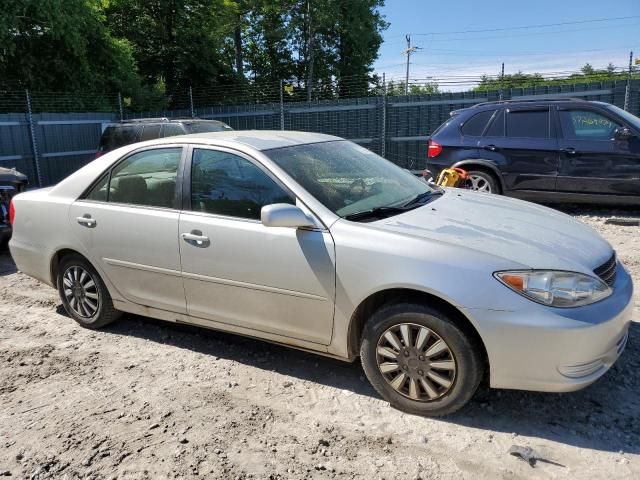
[491, 147]
[568, 151]
[87, 221]
[196, 238]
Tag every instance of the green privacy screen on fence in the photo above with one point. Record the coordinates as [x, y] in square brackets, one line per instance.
[48, 146]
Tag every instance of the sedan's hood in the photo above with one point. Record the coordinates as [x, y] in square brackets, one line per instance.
[525, 233]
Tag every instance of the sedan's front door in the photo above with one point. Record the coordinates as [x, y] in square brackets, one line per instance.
[593, 160]
[128, 225]
[236, 270]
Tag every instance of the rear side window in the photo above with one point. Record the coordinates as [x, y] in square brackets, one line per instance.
[150, 132]
[475, 126]
[172, 129]
[586, 125]
[204, 127]
[528, 123]
[145, 178]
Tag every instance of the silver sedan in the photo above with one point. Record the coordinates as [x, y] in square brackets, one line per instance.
[312, 241]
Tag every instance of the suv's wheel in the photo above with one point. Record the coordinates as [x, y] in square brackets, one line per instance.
[419, 360]
[482, 181]
[83, 293]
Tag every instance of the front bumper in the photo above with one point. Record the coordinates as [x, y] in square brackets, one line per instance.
[554, 349]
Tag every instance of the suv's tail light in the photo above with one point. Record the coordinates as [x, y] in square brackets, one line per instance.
[433, 149]
[98, 154]
[12, 212]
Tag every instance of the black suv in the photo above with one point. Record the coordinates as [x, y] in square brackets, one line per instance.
[545, 150]
[127, 132]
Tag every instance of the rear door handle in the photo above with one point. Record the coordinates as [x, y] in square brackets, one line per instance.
[196, 238]
[87, 221]
[490, 147]
[568, 151]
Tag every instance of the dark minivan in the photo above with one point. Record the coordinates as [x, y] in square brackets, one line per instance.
[127, 132]
[543, 150]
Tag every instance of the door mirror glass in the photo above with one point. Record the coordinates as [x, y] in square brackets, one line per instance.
[284, 215]
[623, 133]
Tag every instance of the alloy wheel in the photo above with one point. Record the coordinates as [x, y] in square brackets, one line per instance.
[479, 183]
[416, 362]
[81, 291]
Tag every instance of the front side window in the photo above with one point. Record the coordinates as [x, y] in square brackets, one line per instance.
[226, 184]
[209, 126]
[146, 178]
[348, 179]
[171, 130]
[150, 132]
[528, 123]
[586, 125]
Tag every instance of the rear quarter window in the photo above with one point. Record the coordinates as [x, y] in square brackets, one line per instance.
[476, 125]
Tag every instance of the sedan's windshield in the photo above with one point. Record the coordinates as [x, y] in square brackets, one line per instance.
[349, 179]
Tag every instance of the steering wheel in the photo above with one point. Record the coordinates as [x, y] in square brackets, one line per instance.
[357, 188]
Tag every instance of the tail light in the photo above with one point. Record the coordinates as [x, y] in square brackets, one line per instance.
[12, 212]
[98, 154]
[433, 149]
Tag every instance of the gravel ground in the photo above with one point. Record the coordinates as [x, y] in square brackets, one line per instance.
[146, 399]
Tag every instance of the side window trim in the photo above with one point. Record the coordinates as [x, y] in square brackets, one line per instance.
[108, 172]
[186, 182]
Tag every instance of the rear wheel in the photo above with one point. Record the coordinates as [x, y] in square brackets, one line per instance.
[83, 293]
[482, 181]
[420, 360]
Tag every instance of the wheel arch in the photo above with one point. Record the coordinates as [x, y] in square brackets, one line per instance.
[485, 165]
[57, 257]
[397, 295]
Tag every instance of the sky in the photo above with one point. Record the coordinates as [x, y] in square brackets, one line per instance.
[559, 48]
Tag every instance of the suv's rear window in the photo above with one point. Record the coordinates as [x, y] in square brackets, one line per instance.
[476, 124]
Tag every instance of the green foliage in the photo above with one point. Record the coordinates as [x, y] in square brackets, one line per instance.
[525, 80]
[427, 88]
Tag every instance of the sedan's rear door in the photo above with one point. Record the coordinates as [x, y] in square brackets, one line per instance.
[128, 225]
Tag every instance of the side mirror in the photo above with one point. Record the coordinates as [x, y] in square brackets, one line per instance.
[284, 215]
[623, 133]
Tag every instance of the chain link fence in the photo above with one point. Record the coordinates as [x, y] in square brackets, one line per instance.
[47, 136]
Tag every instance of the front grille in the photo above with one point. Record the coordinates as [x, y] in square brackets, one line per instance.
[607, 271]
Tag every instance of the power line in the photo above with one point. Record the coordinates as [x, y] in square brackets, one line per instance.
[531, 26]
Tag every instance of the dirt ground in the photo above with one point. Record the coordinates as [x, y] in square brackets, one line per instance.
[146, 399]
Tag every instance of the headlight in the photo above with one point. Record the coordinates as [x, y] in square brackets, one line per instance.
[556, 288]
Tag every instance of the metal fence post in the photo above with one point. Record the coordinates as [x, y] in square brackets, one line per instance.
[383, 130]
[627, 92]
[281, 106]
[34, 143]
[120, 106]
[193, 114]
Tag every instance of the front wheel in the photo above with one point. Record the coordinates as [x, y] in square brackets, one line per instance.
[83, 293]
[420, 360]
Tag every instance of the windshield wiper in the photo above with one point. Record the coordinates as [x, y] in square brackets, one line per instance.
[421, 198]
[378, 212]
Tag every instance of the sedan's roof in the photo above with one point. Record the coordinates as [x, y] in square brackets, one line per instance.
[258, 139]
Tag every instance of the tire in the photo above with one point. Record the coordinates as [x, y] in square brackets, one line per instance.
[430, 397]
[482, 181]
[89, 303]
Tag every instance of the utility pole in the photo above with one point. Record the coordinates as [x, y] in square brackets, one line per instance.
[309, 53]
[627, 92]
[408, 53]
[501, 80]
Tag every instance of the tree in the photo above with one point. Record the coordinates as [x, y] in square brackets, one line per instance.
[62, 46]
